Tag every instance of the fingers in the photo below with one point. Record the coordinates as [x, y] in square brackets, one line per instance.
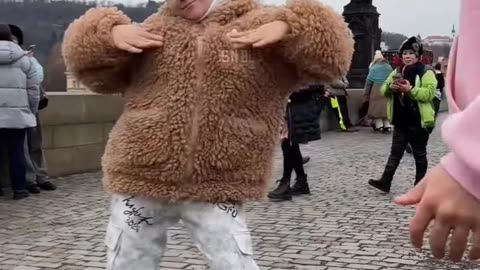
[261, 43]
[438, 238]
[475, 251]
[458, 243]
[151, 36]
[412, 197]
[249, 39]
[129, 48]
[236, 34]
[419, 224]
[144, 43]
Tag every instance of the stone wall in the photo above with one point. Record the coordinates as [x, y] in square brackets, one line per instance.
[76, 128]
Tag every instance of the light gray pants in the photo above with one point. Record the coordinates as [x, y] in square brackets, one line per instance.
[36, 171]
[137, 233]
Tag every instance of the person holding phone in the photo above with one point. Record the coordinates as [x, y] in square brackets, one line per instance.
[410, 90]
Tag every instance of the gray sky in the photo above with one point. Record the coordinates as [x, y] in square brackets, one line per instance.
[410, 17]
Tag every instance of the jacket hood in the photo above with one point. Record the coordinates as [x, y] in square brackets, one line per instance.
[10, 52]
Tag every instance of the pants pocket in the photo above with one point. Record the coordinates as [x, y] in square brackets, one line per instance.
[244, 243]
[112, 241]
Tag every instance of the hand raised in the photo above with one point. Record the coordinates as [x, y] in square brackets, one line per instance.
[134, 39]
[262, 36]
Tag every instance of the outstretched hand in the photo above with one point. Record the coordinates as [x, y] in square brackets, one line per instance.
[262, 36]
[134, 39]
[455, 213]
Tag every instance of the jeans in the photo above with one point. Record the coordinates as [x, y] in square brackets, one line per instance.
[13, 140]
[417, 137]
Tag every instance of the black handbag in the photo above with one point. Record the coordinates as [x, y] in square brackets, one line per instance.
[43, 99]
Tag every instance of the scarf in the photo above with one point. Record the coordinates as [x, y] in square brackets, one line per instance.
[379, 73]
[410, 73]
[213, 6]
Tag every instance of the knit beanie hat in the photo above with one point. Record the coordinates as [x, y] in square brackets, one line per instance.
[378, 55]
[412, 44]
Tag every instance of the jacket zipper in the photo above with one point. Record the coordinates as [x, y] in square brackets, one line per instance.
[192, 142]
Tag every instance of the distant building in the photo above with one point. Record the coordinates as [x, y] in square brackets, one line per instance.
[383, 46]
[73, 84]
[438, 41]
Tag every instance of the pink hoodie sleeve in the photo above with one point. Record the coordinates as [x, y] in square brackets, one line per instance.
[461, 130]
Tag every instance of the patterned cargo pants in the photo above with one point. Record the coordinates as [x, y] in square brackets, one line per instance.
[137, 233]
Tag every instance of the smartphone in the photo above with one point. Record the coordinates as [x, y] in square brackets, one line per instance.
[31, 48]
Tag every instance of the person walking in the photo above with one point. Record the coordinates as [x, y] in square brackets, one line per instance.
[205, 85]
[302, 125]
[410, 90]
[337, 90]
[19, 99]
[377, 108]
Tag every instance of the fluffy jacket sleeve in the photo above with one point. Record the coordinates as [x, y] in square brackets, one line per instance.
[89, 51]
[320, 44]
[386, 87]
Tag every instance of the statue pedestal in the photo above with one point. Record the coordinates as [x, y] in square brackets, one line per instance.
[362, 18]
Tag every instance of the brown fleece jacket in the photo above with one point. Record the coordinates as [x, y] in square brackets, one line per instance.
[202, 119]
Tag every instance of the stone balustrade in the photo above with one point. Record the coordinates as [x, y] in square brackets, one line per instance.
[76, 127]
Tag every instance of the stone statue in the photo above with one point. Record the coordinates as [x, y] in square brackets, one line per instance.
[362, 17]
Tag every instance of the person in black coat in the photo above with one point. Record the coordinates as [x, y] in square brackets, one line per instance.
[302, 126]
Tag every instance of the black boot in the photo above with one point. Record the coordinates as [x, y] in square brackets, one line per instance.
[385, 182]
[34, 189]
[282, 192]
[301, 186]
[47, 185]
[381, 184]
[18, 195]
[1, 192]
[305, 160]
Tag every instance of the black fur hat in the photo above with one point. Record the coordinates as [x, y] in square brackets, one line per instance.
[17, 32]
[412, 44]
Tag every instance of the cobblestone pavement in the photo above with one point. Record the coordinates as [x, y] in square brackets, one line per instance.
[343, 225]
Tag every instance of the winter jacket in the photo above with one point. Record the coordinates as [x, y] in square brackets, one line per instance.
[19, 88]
[201, 119]
[440, 84]
[338, 87]
[419, 98]
[461, 130]
[303, 114]
[43, 94]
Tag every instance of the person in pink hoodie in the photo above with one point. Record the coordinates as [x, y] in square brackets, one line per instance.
[450, 193]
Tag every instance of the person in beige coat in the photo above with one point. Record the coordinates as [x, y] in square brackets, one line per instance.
[377, 108]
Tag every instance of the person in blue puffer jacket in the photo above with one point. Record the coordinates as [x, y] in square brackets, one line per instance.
[19, 100]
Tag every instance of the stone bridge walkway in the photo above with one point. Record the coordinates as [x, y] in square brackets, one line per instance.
[343, 225]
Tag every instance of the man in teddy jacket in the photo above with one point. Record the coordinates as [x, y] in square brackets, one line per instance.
[205, 84]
